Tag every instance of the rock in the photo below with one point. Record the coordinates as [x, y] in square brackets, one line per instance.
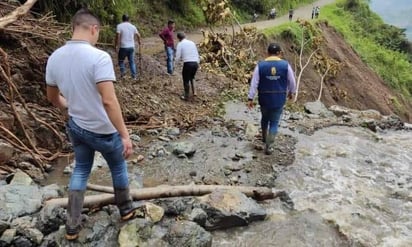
[227, 172]
[251, 131]
[318, 108]
[154, 212]
[6, 151]
[22, 223]
[50, 219]
[296, 116]
[173, 131]
[8, 236]
[22, 242]
[193, 173]
[339, 110]
[199, 216]
[21, 178]
[34, 235]
[51, 191]
[229, 208]
[184, 148]
[182, 156]
[67, 170]
[407, 126]
[135, 138]
[17, 200]
[135, 233]
[234, 180]
[234, 167]
[188, 234]
[3, 226]
[371, 114]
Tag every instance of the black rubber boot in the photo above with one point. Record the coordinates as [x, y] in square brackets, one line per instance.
[264, 134]
[74, 212]
[125, 203]
[270, 139]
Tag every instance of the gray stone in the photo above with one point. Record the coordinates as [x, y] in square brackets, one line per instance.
[34, 235]
[22, 223]
[339, 110]
[21, 178]
[186, 148]
[296, 116]
[6, 151]
[230, 208]
[67, 170]
[318, 108]
[135, 233]
[51, 191]
[199, 216]
[173, 131]
[8, 236]
[188, 234]
[17, 200]
[135, 138]
[51, 218]
[3, 226]
[251, 131]
[407, 126]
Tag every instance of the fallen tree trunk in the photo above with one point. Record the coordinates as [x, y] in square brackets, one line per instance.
[17, 13]
[258, 193]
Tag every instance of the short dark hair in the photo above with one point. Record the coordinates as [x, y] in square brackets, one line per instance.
[84, 17]
[125, 17]
[181, 35]
[170, 22]
[274, 48]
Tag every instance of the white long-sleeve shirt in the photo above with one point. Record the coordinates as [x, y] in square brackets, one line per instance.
[255, 80]
[186, 50]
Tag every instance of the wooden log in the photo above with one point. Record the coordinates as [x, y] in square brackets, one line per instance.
[258, 193]
[17, 13]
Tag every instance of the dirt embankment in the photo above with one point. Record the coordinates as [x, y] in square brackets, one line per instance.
[356, 86]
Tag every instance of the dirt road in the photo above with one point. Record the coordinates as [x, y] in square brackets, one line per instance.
[153, 45]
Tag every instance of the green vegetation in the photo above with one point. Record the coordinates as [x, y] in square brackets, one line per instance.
[383, 47]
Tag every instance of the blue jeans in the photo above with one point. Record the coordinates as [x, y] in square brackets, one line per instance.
[85, 143]
[129, 53]
[170, 54]
[270, 119]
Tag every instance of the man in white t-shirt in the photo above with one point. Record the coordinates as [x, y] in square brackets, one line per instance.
[80, 77]
[125, 35]
[186, 50]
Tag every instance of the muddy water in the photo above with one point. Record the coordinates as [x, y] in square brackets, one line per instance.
[357, 181]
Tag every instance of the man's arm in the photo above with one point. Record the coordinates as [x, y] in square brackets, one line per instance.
[54, 97]
[291, 82]
[112, 107]
[162, 36]
[139, 40]
[178, 52]
[254, 83]
[117, 41]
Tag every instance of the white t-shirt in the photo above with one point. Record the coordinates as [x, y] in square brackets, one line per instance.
[75, 69]
[187, 51]
[127, 32]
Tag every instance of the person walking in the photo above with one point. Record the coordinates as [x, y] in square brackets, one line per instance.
[126, 33]
[80, 77]
[274, 81]
[186, 50]
[313, 11]
[167, 36]
[290, 14]
[317, 12]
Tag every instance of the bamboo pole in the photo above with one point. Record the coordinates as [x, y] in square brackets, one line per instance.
[258, 193]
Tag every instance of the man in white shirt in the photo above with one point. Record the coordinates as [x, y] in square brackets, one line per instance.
[186, 50]
[80, 77]
[125, 35]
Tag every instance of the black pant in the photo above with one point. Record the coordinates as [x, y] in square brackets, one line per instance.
[188, 73]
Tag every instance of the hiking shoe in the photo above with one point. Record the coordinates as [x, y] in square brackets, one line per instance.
[183, 98]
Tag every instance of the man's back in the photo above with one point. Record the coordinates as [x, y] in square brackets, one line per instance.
[187, 50]
[127, 33]
[75, 69]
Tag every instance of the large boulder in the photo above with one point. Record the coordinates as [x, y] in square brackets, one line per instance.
[17, 200]
[188, 234]
[135, 233]
[230, 208]
[318, 108]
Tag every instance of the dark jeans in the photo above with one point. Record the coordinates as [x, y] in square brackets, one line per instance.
[129, 53]
[188, 74]
[85, 143]
[270, 119]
